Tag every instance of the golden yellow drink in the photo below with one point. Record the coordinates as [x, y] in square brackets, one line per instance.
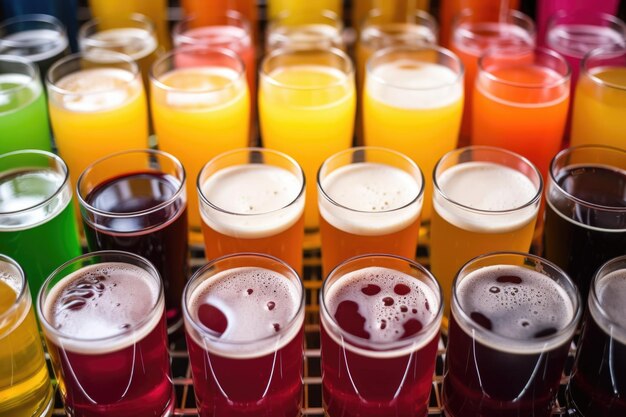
[200, 108]
[485, 200]
[413, 103]
[25, 388]
[275, 7]
[306, 107]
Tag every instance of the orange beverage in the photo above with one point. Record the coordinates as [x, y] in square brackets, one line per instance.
[473, 34]
[521, 102]
[207, 10]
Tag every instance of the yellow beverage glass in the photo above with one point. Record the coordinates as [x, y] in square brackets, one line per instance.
[200, 108]
[276, 7]
[25, 388]
[307, 104]
[600, 102]
[485, 200]
[97, 107]
[413, 103]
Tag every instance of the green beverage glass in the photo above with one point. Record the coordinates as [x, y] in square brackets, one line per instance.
[23, 110]
[37, 221]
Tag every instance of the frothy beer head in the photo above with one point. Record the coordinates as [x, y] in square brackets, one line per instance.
[516, 309]
[245, 312]
[103, 308]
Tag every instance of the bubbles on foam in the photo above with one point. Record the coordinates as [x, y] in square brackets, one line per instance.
[389, 303]
[611, 292]
[413, 84]
[381, 199]
[488, 187]
[265, 191]
[515, 303]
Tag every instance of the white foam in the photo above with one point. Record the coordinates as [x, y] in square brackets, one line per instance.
[97, 89]
[383, 323]
[260, 200]
[135, 42]
[20, 80]
[412, 84]
[490, 187]
[126, 297]
[51, 42]
[250, 331]
[577, 39]
[517, 311]
[374, 199]
[611, 292]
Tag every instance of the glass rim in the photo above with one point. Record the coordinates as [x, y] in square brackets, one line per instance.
[618, 50]
[206, 268]
[180, 189]
[390, 345]
[499, 339]
[50, 156]
[567, 151]
[22, 290]
[264, 75]
[31, 18]
[517, 16]
[156, 80]
[593, 292]
[377, 149]
[250, 150]
[324, 13]
[419, 13]
[562, 79]
[179, 37]
[564, 13]
[118, 56]
[84, 38]
[33, 72]
[437, 189]
[147, 266]
[415, 48]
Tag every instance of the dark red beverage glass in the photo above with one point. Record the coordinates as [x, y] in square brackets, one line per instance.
[380, 320]
[597, 387]
[103, 318]
[135, 201]
[244, 322]
[513, 318]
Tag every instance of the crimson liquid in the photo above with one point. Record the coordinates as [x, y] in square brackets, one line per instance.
[378, 345]
[246, 344]
[506, 347]
[598, 384]
[109, 344]
[159, 235]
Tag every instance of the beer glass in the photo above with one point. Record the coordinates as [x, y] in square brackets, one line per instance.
[370, 201]
[96, 99]
[585, 219]
[276, 7]
[103, 317]
[37, 220]
[200, 108]
[598, 382]
[485, 199]
[23, 112]
[40, 38]
[521, 102]
[413, 103]
[305, 31]
[380, 319]
[476, 31]
[600, 101]
[136, 201]
[513, 318]
[252, 200]
[243, 367]
[310, 92]
[25, 388]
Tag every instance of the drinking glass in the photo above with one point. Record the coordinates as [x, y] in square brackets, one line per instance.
[276, 7]
[305, 31]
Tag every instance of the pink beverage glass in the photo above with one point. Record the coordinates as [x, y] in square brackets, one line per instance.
[597, 387]
[103, 317]
[513, 318]
[380, 319]
[472, 36]
[244, 321]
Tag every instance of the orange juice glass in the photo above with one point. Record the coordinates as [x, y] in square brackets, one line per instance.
[206, 10]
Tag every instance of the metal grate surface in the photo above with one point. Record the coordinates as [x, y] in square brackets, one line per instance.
[185, 401]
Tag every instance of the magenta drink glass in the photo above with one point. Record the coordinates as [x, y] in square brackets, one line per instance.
[380, 317]
[136, 201]
[244, 322]
[513, 318]
[597, 387]
[103, 317]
